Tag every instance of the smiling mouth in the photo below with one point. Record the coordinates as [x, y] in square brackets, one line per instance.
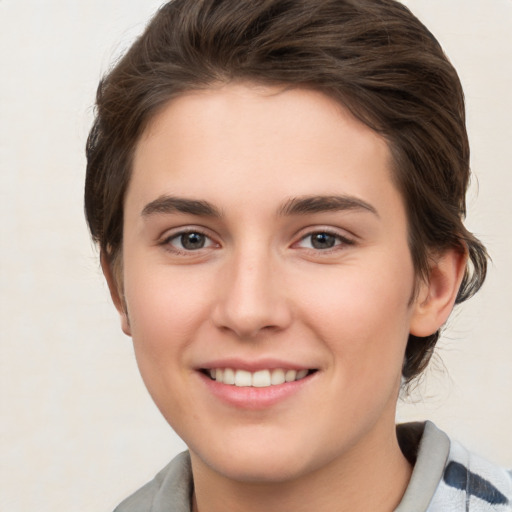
[258, 379]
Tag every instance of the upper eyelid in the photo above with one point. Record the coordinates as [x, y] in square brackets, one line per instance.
[339, 232]
[181, 230]
[330, 231]
[186, 232]
[343, 240]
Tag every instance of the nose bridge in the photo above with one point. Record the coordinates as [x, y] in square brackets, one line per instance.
[251, 298]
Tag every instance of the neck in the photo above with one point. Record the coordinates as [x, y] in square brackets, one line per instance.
[370, 478]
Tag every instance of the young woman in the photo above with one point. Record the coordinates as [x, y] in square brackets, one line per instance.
[278, 192]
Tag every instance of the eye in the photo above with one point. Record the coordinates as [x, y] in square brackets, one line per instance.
[322, 240]
[189, 241]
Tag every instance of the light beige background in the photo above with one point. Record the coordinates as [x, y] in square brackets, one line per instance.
[78, 430]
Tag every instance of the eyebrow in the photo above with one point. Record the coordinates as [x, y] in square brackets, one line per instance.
[171, 204]
[318, 204]
[295, 206]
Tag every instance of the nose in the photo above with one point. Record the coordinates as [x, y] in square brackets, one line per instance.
[252, 298]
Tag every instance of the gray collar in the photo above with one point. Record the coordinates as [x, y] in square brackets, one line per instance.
[432, 454]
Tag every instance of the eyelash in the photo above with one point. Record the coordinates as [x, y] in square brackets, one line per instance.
[340, 241]
[167, 241]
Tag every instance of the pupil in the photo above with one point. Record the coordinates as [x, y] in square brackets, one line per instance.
[192, 241]
[323, 241]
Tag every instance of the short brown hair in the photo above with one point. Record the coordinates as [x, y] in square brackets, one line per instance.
[373, 56]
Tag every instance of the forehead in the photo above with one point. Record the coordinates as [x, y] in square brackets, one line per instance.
[245, 132]
[264, 109]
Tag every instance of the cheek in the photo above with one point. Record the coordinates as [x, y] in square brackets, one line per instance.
[164, 309]
[362, 312]
[166, 313]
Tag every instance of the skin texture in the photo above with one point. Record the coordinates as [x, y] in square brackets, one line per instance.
[261, 294]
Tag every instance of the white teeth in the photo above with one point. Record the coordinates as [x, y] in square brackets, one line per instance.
[259, 379]
[242, 378]
[229, 376]
[277, 377]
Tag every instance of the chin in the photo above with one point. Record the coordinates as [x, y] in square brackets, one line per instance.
[262, 462]
[264, 469]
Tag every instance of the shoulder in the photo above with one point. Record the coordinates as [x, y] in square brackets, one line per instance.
[169, 491]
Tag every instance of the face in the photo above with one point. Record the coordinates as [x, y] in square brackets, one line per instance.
[267, 279]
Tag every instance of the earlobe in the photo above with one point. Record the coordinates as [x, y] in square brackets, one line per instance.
[436, 298]
[115, 292]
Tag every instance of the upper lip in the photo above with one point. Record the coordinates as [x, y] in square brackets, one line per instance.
[253, 366]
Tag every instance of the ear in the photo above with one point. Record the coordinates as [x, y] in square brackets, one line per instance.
[436, 297]
[116, 293]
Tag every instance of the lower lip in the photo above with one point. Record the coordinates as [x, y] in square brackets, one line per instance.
[252, 397]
